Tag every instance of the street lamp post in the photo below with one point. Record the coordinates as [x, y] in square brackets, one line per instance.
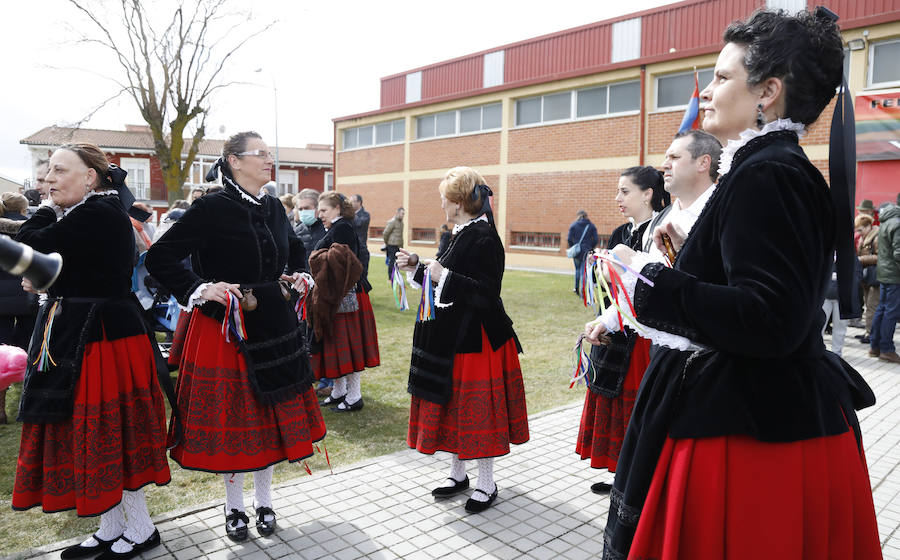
[275, 95]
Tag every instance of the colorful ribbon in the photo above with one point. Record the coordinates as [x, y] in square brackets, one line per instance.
[300, 306]
[583, 363]
[398, 287]
[44, 358]
[426, 305]
[233, 323]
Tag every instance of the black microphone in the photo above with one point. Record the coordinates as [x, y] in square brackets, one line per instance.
[19, 259]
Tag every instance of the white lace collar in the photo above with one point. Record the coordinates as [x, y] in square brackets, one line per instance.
[244, 194]
[459, 227]
[60, 212]
[734, 145]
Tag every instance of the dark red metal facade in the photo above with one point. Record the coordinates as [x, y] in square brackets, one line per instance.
[691, 27]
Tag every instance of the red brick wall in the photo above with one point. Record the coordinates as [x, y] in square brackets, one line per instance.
[310, 178]
[425, 202]
[547, 202]
[661, 130]
[386, 159]
[820, 131]
[472, 150]
[381, 200]
[617, 136]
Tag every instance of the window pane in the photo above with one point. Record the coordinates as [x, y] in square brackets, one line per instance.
[886, 63]
[672, 91]
[383, 133]
[398, 134]
[445, 123]
[490, 116]
[425, 127]
[528, 111]
[558, 106]
[470, 119]
[704, 77]
[624, 97]
[349, 138]
[591, 102]
[365, 136]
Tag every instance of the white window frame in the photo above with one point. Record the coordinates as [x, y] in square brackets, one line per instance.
[295, 174]
[141, 192]
[325, 187]
[458, 117]
[493, 70]
[871, 67]
[669, 108]
[375, 143]
[414, 87]
[200, 160]
[573, 107]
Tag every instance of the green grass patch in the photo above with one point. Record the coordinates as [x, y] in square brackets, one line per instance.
[547, 318]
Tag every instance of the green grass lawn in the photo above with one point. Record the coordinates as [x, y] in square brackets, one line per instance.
[547, 317]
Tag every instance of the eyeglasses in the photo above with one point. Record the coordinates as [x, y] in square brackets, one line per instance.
[259, 153]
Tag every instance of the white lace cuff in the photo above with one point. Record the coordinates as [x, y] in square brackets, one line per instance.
[440, 288]
[410, 277]
[196, 299]
[309, 280]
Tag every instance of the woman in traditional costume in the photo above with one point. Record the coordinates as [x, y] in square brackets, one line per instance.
[744, 440]
[468, 397]
[245, 397]
[94, 419]
[617, 367]
[346, 340]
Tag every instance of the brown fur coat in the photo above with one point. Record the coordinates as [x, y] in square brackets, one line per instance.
[335, 270]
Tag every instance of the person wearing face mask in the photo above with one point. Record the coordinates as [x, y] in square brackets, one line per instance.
[244, 392]
[345, 333]
[94, 419]
[309, 227]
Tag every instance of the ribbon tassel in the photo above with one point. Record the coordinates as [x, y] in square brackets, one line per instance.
[398, 287]
[426, 305]
[44, 358]
[233, 323]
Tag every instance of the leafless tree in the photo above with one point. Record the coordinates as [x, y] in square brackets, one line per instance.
[170, 69]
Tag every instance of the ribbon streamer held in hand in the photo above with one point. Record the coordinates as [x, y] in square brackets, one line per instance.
[44, 358]
[300, 306]
[426, 305]
[399, 289]
[233, 323]
[588, 292]
[583, 363]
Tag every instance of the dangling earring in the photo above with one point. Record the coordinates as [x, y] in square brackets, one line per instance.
[760, 116]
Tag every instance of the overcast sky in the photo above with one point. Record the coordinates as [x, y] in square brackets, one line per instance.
[326, 59]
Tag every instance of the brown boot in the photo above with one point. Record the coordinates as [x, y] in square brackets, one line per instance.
[874, 353]
[890, 357]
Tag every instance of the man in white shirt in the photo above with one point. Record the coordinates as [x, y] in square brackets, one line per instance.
[690, 171]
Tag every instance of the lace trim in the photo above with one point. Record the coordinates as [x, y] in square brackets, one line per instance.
[244, 194]
[196, 299]
[734, 145]
[459, 227]
[445, 274]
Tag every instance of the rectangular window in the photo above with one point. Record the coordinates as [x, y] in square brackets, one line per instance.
[491, 116]
[398, 131]
[625, 97]
[383, 133]
[471, 119]
[424, 235]
[557, 106]
[675, 90]
[425, 126]
[493, 69]
[365, 136]
[390, 132]
[376, 232]
[350, 138]
[626, 40]
[445, 124]
[535, 240]
[528, 111]
[413, 87]
[591, 102]
[884, 68]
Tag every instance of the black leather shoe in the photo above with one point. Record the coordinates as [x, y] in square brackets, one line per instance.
[447, 491]
[79, 551]
[235, 531]
[474, 506]
[344, 407]
[265, 528]
[331, 401]
[601, 488]
[136, 548]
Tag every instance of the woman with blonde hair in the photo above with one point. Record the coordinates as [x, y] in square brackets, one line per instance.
[468, 397]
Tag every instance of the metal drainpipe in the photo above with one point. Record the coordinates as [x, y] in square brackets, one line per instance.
[643, 114]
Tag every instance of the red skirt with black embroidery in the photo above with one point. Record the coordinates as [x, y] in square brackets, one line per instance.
[604, 419]
[739, 498]
[178, 339]
[354, 345]
[226, 429]
[485, 413]
[114, 441]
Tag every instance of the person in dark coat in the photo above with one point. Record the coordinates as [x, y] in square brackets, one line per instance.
[444, 241]
[361, 220]
[583, 233]
[468, 397]
[17, 307]
[742, 383]
[94, 425]
[244, 392]
[309, 227]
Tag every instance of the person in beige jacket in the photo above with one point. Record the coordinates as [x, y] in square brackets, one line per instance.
[393, 238]
[868, 259]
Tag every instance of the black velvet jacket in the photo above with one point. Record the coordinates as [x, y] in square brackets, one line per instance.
[476, 260]
[96, 242]
[232, 239]
[342, 231]
[611, 361]
[748, 285]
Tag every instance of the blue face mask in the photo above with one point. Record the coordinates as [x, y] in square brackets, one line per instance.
[308, 217]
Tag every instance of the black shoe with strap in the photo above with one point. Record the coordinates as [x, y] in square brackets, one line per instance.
[601, 487]
[81, 551]
[264, 527]
[344, 406]
[476, 506]
[447, 491]
[136, 548]
[333, 401]
[234, 530]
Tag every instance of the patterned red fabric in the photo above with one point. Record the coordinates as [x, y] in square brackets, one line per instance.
[354, 346]
[738, 498]
[114, 441]
[225, 428]
[178, 338]
[486, 412]
[604, 420]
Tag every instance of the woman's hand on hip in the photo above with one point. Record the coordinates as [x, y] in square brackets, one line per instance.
[218, 292]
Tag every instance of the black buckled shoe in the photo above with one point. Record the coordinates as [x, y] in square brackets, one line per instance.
[136, 548]
[474, 506]
[265, 528]
[79, 551]
[601, 487]
[343, 406]
[332, 401]
[235, 531]
[447, 491]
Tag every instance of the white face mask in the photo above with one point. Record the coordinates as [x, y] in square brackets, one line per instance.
[308, 217]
